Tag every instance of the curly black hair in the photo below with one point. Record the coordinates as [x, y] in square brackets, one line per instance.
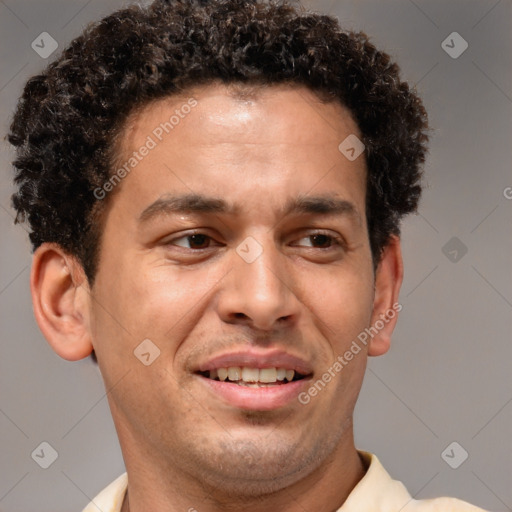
[68, 118]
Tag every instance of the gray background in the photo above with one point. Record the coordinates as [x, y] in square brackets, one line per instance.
[447, 376]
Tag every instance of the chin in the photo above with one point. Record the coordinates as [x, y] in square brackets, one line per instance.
[246, 469]
[252, 482]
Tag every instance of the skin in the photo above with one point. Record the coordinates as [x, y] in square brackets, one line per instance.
[183, 446]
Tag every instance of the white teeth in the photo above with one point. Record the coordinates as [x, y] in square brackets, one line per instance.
[268, 375]
[281, 373]
[252, 375]
[234, 373]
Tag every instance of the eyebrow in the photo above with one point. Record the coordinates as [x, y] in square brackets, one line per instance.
[325, 205]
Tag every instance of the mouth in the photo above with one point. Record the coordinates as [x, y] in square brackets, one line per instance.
[253, 377]
[255, 381]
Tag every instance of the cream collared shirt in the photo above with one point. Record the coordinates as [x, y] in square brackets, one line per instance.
[375, 492]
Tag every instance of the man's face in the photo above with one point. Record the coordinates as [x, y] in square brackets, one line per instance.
[262, 288]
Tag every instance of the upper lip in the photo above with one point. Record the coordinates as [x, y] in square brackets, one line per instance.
[253, 359]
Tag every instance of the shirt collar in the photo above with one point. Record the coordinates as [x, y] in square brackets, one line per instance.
[376, 490]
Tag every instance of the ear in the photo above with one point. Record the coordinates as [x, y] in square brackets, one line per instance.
[388, 280]
[60, 297]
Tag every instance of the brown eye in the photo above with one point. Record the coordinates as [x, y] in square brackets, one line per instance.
[322, 239]
[195, 241]
[325, 241]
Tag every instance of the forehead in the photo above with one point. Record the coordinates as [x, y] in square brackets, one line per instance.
[251, 146]
[244, 111]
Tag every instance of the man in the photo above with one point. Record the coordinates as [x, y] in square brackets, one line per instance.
[214, 191]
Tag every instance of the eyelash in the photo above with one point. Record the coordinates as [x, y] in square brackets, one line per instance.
[335, 240]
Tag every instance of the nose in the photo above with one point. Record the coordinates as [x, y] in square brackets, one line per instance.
[260, 293]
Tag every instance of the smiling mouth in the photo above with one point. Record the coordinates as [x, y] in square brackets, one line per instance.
[253, 377]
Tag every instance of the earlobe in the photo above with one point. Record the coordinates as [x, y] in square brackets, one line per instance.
[60, 297]
[388, 280]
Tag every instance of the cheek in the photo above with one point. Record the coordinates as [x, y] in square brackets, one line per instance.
[135, 301]
[343, 301]
[343, 307]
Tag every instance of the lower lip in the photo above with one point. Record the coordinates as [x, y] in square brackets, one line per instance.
[257, 399]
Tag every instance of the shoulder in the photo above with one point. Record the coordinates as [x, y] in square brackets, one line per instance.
[378, 491]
